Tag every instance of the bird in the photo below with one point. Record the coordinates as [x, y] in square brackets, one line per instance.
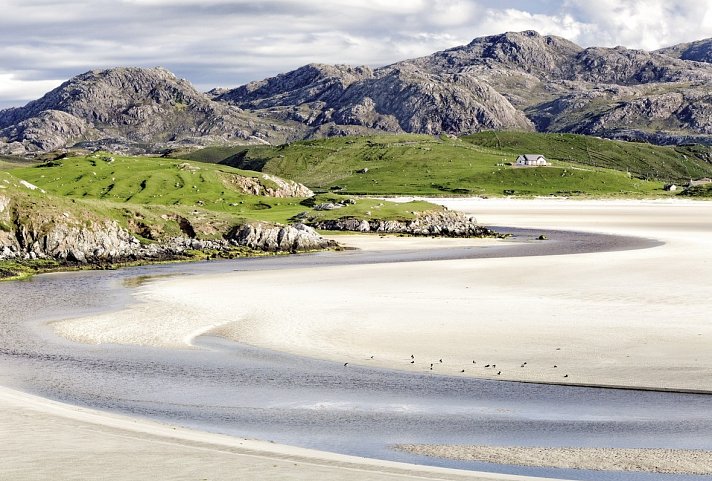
[462, 370]
[371, 357]
[566, 375]
[473, 362]
[486, 365]
[346, 364]
[494, 365]
[431, 365]
[441, 360]
[522, 365]
[499, 372]
[412, 362]
[555, 365]
[412, 356]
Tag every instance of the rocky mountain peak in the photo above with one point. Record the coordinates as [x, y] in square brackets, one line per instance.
[138, 105]
[310, 83]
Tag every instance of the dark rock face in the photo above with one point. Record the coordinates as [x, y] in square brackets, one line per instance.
[393, 99]
[439, 223]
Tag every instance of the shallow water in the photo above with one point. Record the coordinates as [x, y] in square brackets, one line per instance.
[234, 389]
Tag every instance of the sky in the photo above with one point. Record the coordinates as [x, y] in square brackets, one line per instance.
[226, 43]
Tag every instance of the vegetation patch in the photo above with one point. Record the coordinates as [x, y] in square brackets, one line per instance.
[700, 191]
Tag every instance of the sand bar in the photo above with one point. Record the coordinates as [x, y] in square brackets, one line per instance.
[664, 461]
[631, 318]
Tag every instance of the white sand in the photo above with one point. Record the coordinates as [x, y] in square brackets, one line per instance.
[667, 461]
[44, 440]
[637, 318]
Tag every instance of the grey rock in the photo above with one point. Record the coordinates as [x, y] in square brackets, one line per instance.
[278, 238]
[438, 223]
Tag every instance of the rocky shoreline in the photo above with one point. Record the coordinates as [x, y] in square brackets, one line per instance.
[108, 243]
[36, 240]
[432, 223]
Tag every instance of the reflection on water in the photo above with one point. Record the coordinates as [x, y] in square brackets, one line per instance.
[229, 388]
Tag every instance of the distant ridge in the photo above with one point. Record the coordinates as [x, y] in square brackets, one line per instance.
[512, 81]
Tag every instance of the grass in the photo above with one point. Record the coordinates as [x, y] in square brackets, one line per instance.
[664, 163]
[150, 195]
[473, 165]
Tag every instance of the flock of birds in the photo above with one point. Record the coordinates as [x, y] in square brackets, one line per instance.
[486, 366]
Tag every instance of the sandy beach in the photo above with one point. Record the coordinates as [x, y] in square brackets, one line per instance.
[630, 318]
[44, 440]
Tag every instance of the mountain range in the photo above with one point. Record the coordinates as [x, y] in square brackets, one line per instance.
[514, 81]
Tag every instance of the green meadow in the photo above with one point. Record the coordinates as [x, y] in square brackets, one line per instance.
[472, 165]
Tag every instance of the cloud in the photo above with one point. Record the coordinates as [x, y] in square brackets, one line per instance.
[13, 87]
[230, 42]
[646, 24]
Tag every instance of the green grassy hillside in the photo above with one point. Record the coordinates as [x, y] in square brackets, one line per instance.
[667, 163]
[180, 187]
[424, 165]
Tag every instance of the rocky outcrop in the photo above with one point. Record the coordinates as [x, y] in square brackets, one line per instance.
[278, 238]
[267, 185]
[34, 225]
[432, 223]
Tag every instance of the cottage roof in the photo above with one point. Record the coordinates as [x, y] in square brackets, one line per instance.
[533, 156]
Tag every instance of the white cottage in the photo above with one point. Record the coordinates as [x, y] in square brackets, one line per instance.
[531, 160]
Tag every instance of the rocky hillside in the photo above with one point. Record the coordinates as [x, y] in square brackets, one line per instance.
[131, 109]
[513, 81]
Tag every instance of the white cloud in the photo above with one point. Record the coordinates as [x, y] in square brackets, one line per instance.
[12, 87]
[646, 24]
[229, 42]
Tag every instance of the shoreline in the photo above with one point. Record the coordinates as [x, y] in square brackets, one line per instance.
[58, 429]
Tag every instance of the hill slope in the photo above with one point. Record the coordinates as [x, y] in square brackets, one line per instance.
[473, 165]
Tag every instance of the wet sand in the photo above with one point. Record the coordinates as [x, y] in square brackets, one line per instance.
[629, 319]
[42, 440]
